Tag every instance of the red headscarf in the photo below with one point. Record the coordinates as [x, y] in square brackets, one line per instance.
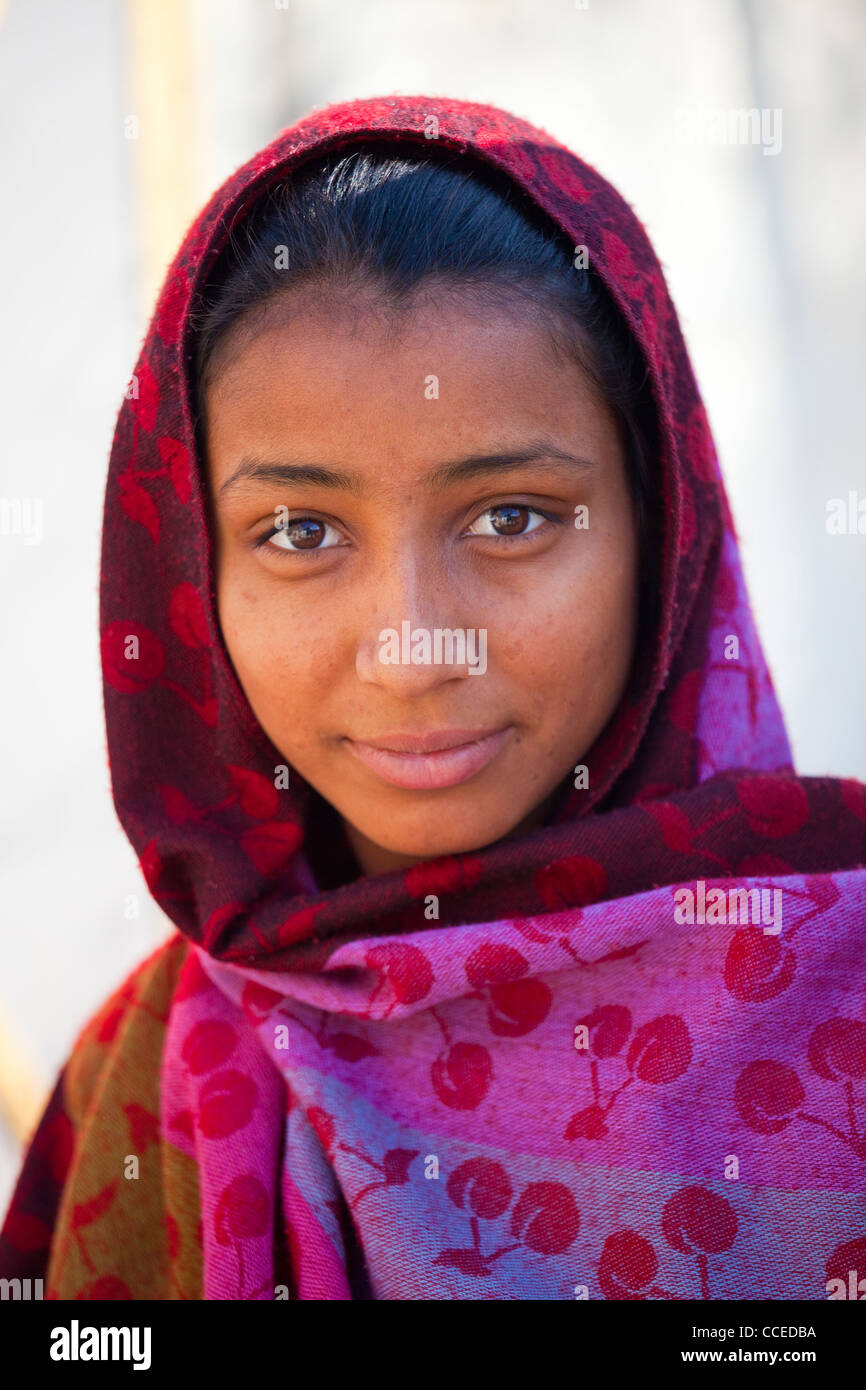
[692, 773]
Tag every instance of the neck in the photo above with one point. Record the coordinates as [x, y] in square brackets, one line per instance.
[376, 859]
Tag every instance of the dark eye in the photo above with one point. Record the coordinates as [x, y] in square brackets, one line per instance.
[302, 533]
[507, 519]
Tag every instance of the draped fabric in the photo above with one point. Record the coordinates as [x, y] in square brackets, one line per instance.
[622, 1056]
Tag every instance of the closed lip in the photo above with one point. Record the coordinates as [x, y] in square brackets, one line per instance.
[446, 764]
[431, 742]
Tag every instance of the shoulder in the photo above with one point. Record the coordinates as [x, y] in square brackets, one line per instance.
[115, 1057]
[146, 990]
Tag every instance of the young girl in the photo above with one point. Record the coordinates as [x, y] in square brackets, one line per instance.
[513, 959]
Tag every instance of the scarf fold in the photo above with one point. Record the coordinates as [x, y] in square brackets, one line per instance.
[622, 1056]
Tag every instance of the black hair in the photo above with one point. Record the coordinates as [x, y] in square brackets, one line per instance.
[408, 219]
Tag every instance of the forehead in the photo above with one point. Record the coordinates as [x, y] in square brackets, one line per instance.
[394, 387]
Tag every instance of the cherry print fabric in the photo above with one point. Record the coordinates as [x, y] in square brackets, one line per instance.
[556, 1089]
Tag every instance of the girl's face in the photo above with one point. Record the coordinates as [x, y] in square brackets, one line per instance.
[373, 472]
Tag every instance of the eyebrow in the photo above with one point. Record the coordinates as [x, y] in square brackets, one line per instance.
[252, 471]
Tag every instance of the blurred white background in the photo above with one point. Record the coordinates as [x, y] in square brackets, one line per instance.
[764, 255]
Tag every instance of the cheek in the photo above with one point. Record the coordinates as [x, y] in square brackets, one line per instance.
[571, 644]
[280, 654]
[606, 613]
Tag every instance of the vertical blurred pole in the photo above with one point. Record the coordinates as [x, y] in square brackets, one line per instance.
[780, 488]
[816, 374]
[21, 1092]
[210, 82]
[162, 102]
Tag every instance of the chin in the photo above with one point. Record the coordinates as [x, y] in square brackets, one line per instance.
[432, 840]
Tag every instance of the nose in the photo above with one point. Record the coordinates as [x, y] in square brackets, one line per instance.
[411, 639]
